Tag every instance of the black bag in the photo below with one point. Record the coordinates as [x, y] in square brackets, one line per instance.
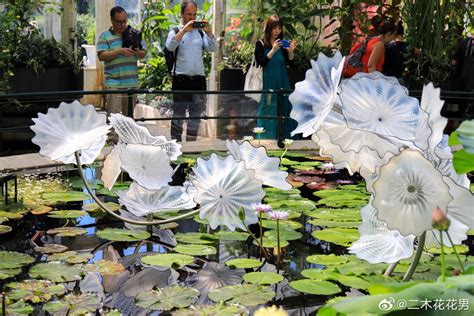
[170, 56]
[353, 63]
[132, 38]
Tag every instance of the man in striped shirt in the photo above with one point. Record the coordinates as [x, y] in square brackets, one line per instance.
[121, 71]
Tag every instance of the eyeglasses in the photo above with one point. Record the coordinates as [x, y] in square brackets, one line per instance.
[120, 22]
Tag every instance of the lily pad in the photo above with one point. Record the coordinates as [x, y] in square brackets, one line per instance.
[35, 291]
[206, 310]
[347, 280]
[104, 267]
[316, 274]
[51, 248]
[195, 238]
[95, 208]
[463, 161]
[167, 298]
[74, 305]
[315, 287]
[298, 205]
[286, 234]
[338, 236]
[325, 223]
[11, 260]
[55, 272]
[240, 236]
[283, 224]
[327, 260]
[449, 250]
[117, 234]
[356, 266]
[339, 215]
[67, 196]
[243, 263]
[195, 249]
[10, 215]
[263, 277]
[118, 186]
[67, 231]
[67, 214]
[171, 260]
[77, 183]
[5, 229]
[43, 209]
[71, 257]
[8, 273]
[272, 242]
[243, 294]
[20, 308]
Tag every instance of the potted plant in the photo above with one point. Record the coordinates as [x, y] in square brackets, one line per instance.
[234, 66]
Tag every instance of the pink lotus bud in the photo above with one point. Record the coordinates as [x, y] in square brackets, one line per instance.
[439, 220]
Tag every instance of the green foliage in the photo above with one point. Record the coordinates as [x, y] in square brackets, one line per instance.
[167, 298]
[85, 29]
[117, 234]
[239, 57]
[244, 294]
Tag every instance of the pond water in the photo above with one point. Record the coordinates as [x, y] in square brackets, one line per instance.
[91, 262]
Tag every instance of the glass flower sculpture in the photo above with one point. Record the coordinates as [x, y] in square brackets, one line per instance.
[224, 186]
[69, 128]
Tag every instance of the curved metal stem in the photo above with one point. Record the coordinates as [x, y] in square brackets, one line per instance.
[127, 220]
[416, 258]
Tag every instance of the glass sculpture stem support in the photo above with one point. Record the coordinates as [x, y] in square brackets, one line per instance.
[114, 214]
[390, 269]
[416, 258]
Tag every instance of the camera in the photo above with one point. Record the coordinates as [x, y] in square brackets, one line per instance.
[132, 38]
[199, 24]
[285, 43]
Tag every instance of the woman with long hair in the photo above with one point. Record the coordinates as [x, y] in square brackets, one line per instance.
[374, 56]
[274, 53]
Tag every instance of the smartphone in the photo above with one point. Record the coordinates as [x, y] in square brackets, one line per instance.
[199, 24]
[285, 43]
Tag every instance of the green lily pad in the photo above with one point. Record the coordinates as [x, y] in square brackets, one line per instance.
[327, 260]
[325, 223]
[51, 248]
[95, 208]
[35, 291]
[459, 249]
[356, 266]
[243, 294]
[288, 162]
[286, 234]
[10, 215]
[8, 273]
[263, 277]
[67, 231]
[271, 191]
[12, 260]
[337, 202]
[339, 215]
[172, 260]
[283, 224]
[170, 225]
[118, 234]
[201, 221]
[67, 214]
[338, 236]
[67, 196]
[243, 263]
[315, 287]
[316, 274]
[55, 272]
[195, 249]
[42, 209]
[195, 238]
[77, 183]
[298, 205]
[463, 161]
[5, 229]
[74, 305]
[118, 186]
[272, 242]
[71, 257]
[206, 310]
[167, 298]
[104, 267]
[20, 308]
[239, 236]
[348, 280]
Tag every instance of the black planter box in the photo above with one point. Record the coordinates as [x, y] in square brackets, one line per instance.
[232, 79]
[296, 75]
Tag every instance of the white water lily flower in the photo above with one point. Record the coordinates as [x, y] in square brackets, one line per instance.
[377, 243]
[407, 191]
[141, 201]
[288, 142]
[69, 128]
[130, 132]
[223, 187]
[258, 130]
[315, 96]
[266, 168]
[148, 165]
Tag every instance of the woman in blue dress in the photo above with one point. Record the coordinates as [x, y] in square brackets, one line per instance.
[274, 58]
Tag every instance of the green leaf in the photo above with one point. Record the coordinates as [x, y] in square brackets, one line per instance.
[35, 291]
[339, 215]
[207, 310]
[77, 183]
[8, 273]
[67, 196]
[285, 234]
[67, 231]
[118, 186]
[463, 161]
[55, 272]
[51, 248]
[5, 229]
[195, 238]
[95, 208]
[272, 242]
[195, 249]
[71, 257]
[449, 250]
[243, 263]
[74, 305]
[167, 298]
[171, 260]
[68, 214]
[11, 260]
[243, 294]
[325, 223]
[239, 236]
[263, 277]
[294, 205]
[20, 308]
[283, 224]
[118, 234]
[315, 287]
[327, 260]
[104, 267]
[338, 236]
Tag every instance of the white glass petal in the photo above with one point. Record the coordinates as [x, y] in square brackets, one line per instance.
[314, 97]
[457, 231]
[141, 201]
[462, 206]
[148, 165]
[266, 168]
[379, 244]
[88, 155]
[407, 191]
[377, 105]
[69, 128]
[112, 166]
[224, 186]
